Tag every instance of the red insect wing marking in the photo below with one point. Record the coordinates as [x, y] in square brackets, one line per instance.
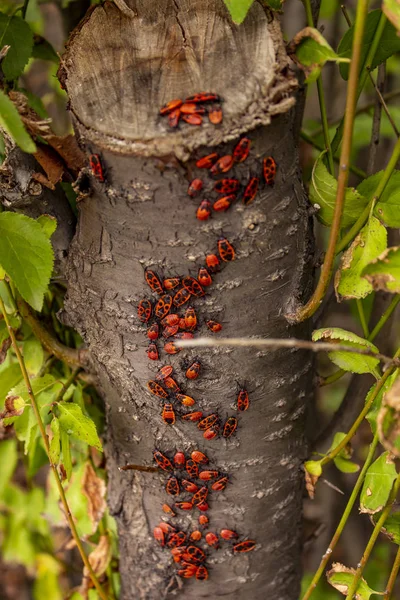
[95, 165]
[185, 400]
[194, 119]
[163, 306]
[177, 553]
[251, 191]
[184, 505]
[202, 573]
[226, 186]
[189, 486]
[170, 331]
[188, 572]
[223, 165]
[214, 326]
[207, 161]
[185, 335]
[156, 389]
[168, 510]
[195, 536]
[199, 457]
[203, 520]
[190, 318]
[170, 320]
[195, 187]
[173, 118]
[203, 97]
[204, 277]
[144, 310]
[172, 487]
[195, 554]
[193, 416]
[153, 331]
[207, 475]
[230, 427]
[200, 496]
[241, 150]
[220, 485]
[193, 371]
[163, 462]
[215, 115]
[244, 546]
[192, 468]
[177, 539]
[170, 106]
[228, 534]
[181, 297]
[164, 372]
[171, 384]
[179, 460]
[208, 422]
[224, 203]
[153, 281]
[204, 211]
[171, 283]
[212, 261]
[159, 535]
[243, 400]
[166, 527]
[170, 348]
[212, 432]
[168, 414]
[212, 539]
[152, 352]
[191, 108]
[269, 170]
[226, 250]
[192, 286]
[203, 506]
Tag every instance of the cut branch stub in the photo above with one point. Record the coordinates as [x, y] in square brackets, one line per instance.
[119, 71]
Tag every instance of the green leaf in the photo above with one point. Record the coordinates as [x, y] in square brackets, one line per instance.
[46, 584]
[33, 356]
[384, 272]
[44, 50]
[391, 527]
[368, 245]
[345, 466]
[26, 429]
[27, 256]
[238, 9]
[8, 461]
[323, 194]
[48, 223]
[391, 8]
[377, 484]
[388, 207]
[12, 123]
[376, 405]
[38, 385]
[75, 423]
[66, 453]
[17, 34]
[388, 420]
[55, 441]
[356, 363]
[311, 51]
[342, 460]
[341, 577]
[388, 45]
[274, 4]
[313, 467]
[9, 377]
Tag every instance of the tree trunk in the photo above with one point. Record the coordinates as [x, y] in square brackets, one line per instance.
[118, 72]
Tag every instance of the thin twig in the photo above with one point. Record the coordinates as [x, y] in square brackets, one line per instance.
[132, 467]
[310, 140]
[61, 491]
[313, 304]
[392, 576]
[361, 314]
[66, 385]
[376, 121]
[277, 343]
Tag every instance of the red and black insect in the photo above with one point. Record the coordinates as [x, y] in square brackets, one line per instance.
[163, 306]
[245, 546]
[203, 506]
[207, 475]
[212, 539]
[251, 191]
[224, 203]
[184, 335]
[185, 400]
[228, 534]
[181, 297]
[163, 462]
[203, 520]
[220, 485]
[188, 572]
[96, 167]
[171, 384]
[230, 427]
[190, 318]
[170, 106]
[170, 320]
[226, 250]
[164, 372]
[177, 553]
[226, 186]
[166, 527]
[168, 414]
[269, 170]
[199, 457]
[190, 108]
[171, 283]
[189, 486]
[153, 281]
[193, 371]
[195, 187]
[172, 487]
[193, 416]
[202, 97]
[152, 352]
[208, 421]
[144, 310]
[195, 536]
[223, 165]
[241, 150]
[159, 535]
[212, 432]
[170, 348]
[169, 331]
[192, 468]
[204, 277]
[194, 119]
[153, 331]
[214, 326]
[243, 400]
[184, 505]
[192, 286]
[201, 573]
[156, 389]
[212, 262]
[173, 118]
[200, 496]
[177, 539]
[179, 460]
[168, 510]
[215, 115]
[207, 161]
[194, 554]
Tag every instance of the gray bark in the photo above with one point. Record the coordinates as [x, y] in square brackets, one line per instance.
[118, 72]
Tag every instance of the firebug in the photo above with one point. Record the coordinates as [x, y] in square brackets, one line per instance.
[203, 506]
[156, 389]
[212, 432]
[184, 505]
[212, 539]
[203, 97]
[166, 527]
[163, 306]
[208, 421]
[204, 277]
[172, 486]
[199, 457]
[200, 496]
[214, 326]
[170, 320]
[179, 460]
[153, 281]
[204, 210]
[241, 150]
[220, 485]
[269, 170]
[188, 572]
[207, 475]
[189, 486]
[190, 318]
[224, 203]
[192, 468]
[182, 323]
[251, 191]
[164, 372]
[181, 297]
[226, 186]
[152, 352]
[243, 400]
[223, 165]
[228, 534]
[203, 520]
[207, 161]
[193, 371]
[245, 546]
[168, 414]
[162, 461]
[144, 310]
[193, 416]
[212, 261]
[168, 510]
[195, 536]
[195, 187]
[96, 167]
[159, 535]
[194, 554]
[177, 539]
[184, 335]
[171, 384]
[170, 348]
[171, 283]
[170, 106]
[193, 119]
[201, 573]
[173, 118]
[226, 250]
[215, 115]
[230, 427]
[153, 331]
[189, 108]
[192, 286]
[169, 331]
[185, 400]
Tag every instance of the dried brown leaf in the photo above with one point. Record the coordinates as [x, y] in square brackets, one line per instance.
[94, 488]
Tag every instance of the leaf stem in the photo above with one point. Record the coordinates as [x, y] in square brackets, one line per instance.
[362, 219]
[368, 549]
[24, 8]
[392, 576]
[362, 318]
[343, 520]
[327, 267]
[309, 139]
[66, 385]
[38, 417]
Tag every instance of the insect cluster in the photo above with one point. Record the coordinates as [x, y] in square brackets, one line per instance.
[189, 550]
[193, 109]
